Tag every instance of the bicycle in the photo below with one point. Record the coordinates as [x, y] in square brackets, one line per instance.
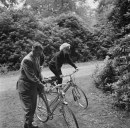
[78, 94]
[56, 104]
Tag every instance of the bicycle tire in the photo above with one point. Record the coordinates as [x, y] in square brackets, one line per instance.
[41, 110]
[80, 97]
[69, 117]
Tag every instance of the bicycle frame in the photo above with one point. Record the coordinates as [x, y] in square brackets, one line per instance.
[76, 92]
[58, 100]
[69, 83]
[61, 94]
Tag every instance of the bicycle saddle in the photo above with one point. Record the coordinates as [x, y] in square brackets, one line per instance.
[53, 78]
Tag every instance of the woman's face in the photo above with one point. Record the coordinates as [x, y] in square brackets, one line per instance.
[39, 52]
[67, 50]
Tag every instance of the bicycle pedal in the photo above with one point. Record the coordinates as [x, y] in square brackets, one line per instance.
[66, 103]
[75, 98]
[61, 110]
[50, 116]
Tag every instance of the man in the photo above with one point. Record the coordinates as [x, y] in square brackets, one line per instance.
[29, 83]
[59, 59]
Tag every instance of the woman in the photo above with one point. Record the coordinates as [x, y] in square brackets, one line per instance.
[59, 59]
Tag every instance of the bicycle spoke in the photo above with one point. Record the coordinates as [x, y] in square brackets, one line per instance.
[41, 111]
[69, 117]
[80, 97]
[52, 99]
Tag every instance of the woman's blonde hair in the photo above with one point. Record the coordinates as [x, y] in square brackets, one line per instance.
[37, 46]
[64, 45]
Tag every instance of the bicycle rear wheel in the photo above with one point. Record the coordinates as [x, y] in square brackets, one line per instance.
[80, 97]
[69, 117]
[41, 110]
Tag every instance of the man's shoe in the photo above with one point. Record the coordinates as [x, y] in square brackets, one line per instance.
[26, 125]
[30, 125]
[50, 116]
[65, 102]
[34, 125]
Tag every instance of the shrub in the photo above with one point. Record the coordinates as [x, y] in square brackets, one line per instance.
[104, 76]
[118, 72]
[54, 31]
[16, 28]
[121, 93]
[3, 69]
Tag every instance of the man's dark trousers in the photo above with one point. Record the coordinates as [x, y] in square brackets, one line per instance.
[29, 102]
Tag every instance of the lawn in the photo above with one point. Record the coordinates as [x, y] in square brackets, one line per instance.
[99, 114]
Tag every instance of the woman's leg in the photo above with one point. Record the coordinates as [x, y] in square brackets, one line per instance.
[53, 69]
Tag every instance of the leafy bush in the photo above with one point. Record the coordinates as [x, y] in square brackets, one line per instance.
[18, 27]
[113, 34]
[120, 78]
[54, 31]
[105, 75]
[3, 69]
[122, 92]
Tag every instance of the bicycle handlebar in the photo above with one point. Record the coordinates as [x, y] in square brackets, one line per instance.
[53, 78]
[69, 74]
[62, 84]
[57, 86]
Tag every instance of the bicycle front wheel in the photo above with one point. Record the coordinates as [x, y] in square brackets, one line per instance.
[41, 110]
[80, 97]
[69, 117]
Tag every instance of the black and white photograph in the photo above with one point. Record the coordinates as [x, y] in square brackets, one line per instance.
[64, 63]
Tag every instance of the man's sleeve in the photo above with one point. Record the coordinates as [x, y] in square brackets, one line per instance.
[69, 61]
[29, 71]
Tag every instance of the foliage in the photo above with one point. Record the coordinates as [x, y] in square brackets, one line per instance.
[122, 92]
[119, 84]
[51, 7]
[113, 16]
[105, 75]
[3, 69]
[16, 27]
[65, 28]
[113, 32]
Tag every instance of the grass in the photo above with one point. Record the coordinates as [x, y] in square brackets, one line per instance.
[99, 113]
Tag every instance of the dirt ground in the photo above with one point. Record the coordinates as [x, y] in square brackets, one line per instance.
[99, 114]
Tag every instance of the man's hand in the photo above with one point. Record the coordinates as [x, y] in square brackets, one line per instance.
[43, 82]
[76, 69]
[61, 76]
[46, 80]
[47, 89]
